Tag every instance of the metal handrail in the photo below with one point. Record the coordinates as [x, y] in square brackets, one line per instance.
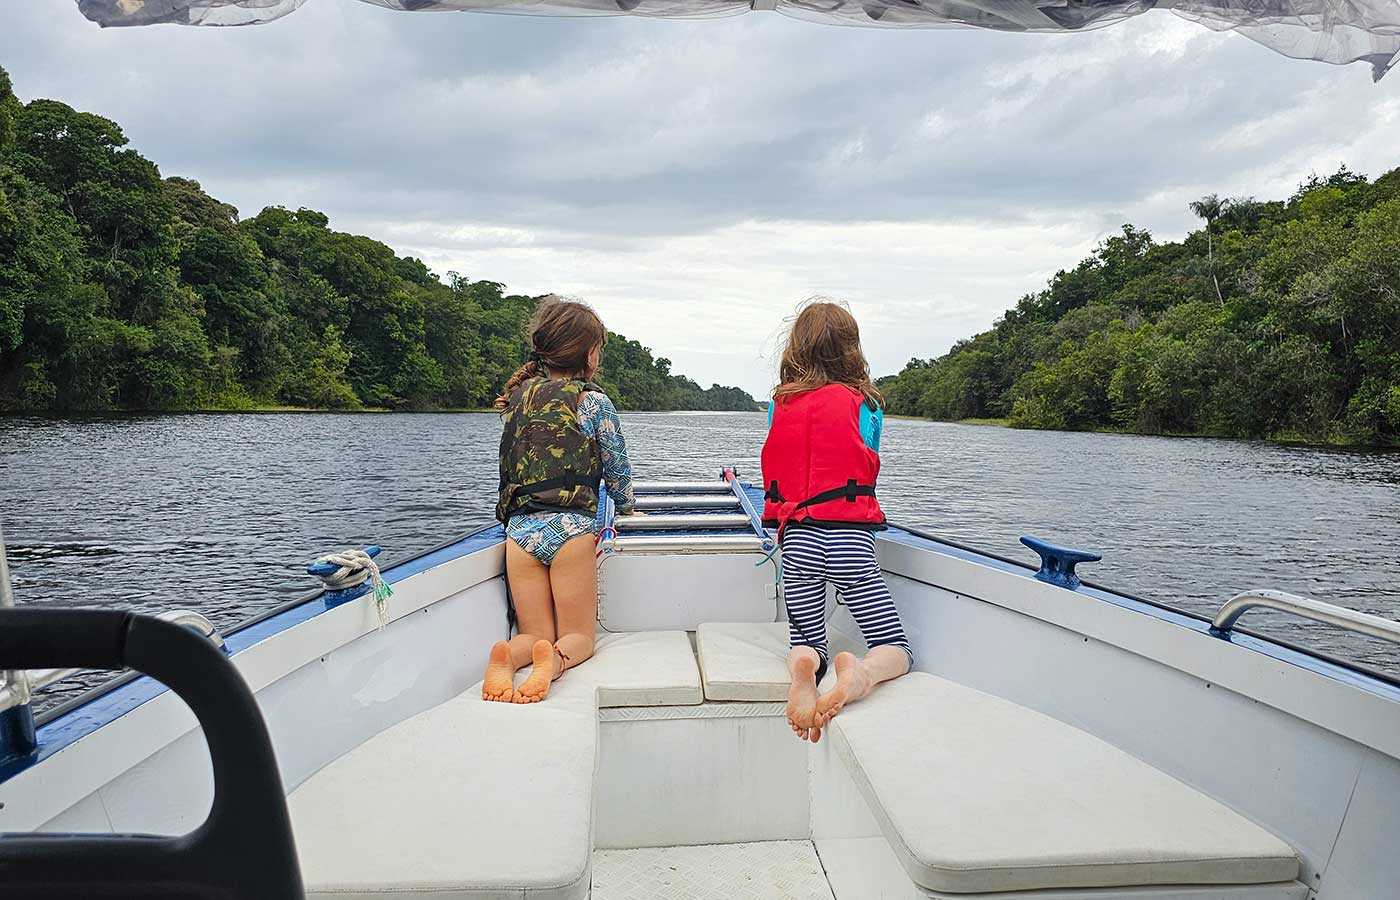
[755, 520]
[685, 501]
[680, 487]
[682, 521]
[634, 543]
[17, 686]
[1305, 608]
[14, 683]
[191, 619]
[20, 687]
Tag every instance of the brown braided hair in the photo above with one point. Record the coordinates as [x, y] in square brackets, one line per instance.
[560, 337]
[823, 347]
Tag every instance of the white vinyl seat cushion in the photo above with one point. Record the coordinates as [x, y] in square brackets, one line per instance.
[748, 660]
[976, 794]
[486, 801]
[482, 800]
[643, 668]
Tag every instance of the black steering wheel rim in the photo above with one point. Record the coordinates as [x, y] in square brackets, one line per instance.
[244, 850]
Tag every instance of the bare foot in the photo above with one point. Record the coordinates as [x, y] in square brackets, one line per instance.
[802, 698]
[499, 683]
[852, 683]
[536, 687]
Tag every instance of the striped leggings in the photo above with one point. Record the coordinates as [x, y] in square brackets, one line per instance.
[812, 557]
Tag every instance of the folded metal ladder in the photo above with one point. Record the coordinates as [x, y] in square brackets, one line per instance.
[685, 517]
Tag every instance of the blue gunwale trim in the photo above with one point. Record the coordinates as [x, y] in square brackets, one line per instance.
[1349, 674]
[103, 705]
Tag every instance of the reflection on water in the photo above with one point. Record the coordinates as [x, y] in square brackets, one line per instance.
[218, 512]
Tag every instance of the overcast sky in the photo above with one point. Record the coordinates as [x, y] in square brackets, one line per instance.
[696, 180]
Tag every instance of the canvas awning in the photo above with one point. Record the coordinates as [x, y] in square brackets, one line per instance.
[1332, 31]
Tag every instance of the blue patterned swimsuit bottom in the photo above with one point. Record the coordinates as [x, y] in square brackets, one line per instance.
[541, 534]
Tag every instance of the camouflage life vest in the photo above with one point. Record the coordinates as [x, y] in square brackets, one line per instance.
[547, 461]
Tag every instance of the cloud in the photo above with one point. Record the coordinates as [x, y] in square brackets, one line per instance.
[696, 179]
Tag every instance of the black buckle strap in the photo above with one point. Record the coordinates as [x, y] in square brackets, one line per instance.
[849, 492]
[773, 495]
[566, 482]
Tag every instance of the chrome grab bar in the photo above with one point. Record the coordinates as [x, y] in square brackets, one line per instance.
[682, 521]
[191, 619]
[687, 543]
[686, 501]
[746, 504]
[14, 683]
[1305, 608]
[35, 680]
[680, 487]
[719, 507]
[19, 687]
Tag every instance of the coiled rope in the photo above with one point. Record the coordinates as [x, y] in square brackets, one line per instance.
[354, 568]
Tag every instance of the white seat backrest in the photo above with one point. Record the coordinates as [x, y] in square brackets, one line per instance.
[644, 592]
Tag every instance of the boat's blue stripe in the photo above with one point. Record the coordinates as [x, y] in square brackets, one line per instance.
[1288, 655]
[106, 708]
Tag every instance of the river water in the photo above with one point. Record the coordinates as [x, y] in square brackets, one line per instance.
[219, 512]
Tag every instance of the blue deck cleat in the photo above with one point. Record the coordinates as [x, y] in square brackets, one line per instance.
[1057, 563]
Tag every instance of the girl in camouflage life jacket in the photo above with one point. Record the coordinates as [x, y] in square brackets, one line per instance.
[561, 436]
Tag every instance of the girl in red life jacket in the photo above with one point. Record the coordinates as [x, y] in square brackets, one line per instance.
[820, 463]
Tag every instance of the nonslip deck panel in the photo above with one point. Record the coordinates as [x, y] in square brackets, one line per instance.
[977, 795]
[766, 870]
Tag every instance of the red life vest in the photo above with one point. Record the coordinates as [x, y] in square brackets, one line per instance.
[816, 466]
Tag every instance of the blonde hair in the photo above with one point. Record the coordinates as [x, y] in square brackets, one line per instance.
[560, 337]
[823, 347]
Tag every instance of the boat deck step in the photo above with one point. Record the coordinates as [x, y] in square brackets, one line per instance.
[687, 501]
[681, 487]
[768, 870]
[707, 521]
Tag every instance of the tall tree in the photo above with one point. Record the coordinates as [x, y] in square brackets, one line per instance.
[1136, 337]
[123, 290]
[1209, 208]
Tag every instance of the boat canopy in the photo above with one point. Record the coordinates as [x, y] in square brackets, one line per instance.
[1332, 31]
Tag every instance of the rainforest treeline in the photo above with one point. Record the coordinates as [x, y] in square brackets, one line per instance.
[123, 290]
[1274, 319]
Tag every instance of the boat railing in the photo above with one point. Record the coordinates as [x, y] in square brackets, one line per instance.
[687, 517]
[12, 681]
[682, 522]
[680, 487]
[18, 686]
[1305, 608]
[649, 502]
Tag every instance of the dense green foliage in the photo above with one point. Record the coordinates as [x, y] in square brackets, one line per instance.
[123, 290]
[1278, 319]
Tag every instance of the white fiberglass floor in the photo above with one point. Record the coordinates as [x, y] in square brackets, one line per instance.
[772, 870]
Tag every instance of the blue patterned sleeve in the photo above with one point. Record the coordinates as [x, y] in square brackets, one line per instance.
[598, 418]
